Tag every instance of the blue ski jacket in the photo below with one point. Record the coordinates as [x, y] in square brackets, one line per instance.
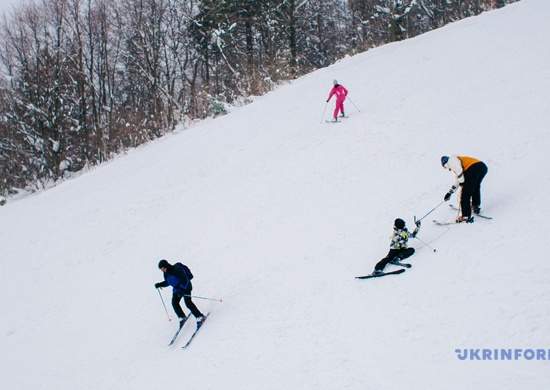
[177, 277]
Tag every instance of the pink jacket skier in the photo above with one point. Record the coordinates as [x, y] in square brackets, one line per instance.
[341, 92]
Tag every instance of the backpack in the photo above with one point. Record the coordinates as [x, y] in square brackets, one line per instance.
[185, 269]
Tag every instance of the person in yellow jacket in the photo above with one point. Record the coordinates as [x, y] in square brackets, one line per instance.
[469, 173]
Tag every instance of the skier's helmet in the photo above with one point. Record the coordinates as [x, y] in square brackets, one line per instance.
[399, 223]
[335, 82]
[444, 160]
[164, 264]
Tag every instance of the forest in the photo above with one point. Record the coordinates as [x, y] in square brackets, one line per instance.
[84, 80]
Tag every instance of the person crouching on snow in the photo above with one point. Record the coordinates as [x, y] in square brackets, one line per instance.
[398, 247]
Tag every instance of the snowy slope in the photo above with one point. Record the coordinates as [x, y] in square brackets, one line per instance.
[277, 212]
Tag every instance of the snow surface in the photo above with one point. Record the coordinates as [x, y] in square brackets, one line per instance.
[276, 213]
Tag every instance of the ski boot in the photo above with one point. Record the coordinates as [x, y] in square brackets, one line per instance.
[461, 219]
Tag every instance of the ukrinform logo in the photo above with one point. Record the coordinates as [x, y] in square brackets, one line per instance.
[502, 354]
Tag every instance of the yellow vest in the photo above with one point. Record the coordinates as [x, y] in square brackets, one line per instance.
[467, 162]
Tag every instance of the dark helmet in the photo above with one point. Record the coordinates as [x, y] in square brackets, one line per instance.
[164, 264]
[444, 160]
[399, 223]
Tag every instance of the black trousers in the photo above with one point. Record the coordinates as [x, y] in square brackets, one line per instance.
[393, 254]
[176, 298]
[471, 189]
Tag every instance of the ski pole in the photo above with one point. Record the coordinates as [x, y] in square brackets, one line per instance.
[208, 299]
[426, 244]
[324, 110]
[165, 309]
[354, 104]
[431, 211]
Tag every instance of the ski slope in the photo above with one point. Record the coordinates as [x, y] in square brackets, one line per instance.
[276, 211]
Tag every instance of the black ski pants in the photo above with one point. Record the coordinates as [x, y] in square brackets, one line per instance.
[471, 189]
[398, 254]
[176, 298]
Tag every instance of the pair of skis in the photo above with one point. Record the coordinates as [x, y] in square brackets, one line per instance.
[397, 272]
[336, 121]
[440, 223]
[199, 326]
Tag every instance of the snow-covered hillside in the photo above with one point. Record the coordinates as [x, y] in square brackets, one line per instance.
[276, 213]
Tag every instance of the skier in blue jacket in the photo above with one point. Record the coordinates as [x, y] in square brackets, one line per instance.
[179, 277]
